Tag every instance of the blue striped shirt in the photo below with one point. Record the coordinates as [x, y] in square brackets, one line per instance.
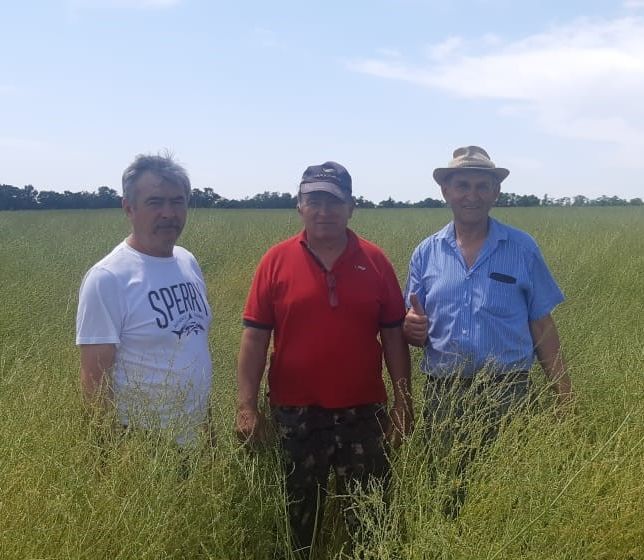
[479, 317]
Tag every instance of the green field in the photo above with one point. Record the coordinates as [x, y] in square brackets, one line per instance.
[548, 488]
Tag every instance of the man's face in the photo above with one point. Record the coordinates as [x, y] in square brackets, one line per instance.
[471, 195]
[324, 215]
[157, 214]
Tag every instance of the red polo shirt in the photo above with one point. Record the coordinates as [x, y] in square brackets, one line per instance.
[325, 324]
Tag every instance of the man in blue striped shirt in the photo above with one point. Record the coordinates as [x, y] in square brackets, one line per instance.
[480, 298]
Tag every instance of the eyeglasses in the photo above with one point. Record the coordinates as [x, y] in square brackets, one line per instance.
[331, 285]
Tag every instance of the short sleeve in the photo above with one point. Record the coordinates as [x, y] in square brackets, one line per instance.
[100, 314]
[194, 264]
[414, 284]
[258, 311]
[393, 308]
[545, 294]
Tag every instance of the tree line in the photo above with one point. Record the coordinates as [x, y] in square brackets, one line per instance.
[28, 198]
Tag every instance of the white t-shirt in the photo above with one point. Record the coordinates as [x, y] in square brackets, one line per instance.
[154, 309]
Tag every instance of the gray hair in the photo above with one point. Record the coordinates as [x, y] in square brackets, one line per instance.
[161, 165]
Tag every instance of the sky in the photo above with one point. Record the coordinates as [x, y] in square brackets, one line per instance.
[247, 94]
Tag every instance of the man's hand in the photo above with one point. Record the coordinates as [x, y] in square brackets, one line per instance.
[565, 404]
[401, 418]
[250, 368]
[416, 324]
[545, 338]
[248, 425]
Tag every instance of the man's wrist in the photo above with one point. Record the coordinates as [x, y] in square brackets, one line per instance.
[247, 406]
[402, 398]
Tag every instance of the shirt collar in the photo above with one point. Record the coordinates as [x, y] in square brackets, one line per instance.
[495, 232]
[350, 249]
[447, 232]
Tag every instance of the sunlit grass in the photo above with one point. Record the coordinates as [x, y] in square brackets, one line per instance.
[548, 488]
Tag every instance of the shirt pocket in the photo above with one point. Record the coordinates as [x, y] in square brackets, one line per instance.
[504, 297]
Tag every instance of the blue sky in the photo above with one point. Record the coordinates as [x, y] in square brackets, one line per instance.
[247, 94]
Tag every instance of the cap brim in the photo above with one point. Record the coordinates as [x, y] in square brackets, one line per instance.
[331, 188]
[441, 173]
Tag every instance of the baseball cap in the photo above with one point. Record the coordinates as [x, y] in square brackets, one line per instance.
[329, 177]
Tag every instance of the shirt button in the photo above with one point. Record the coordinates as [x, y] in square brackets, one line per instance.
[464, 331]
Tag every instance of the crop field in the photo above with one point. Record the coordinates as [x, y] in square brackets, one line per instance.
[549, 487]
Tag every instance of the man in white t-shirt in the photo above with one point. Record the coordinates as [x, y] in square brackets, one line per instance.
[143, 317]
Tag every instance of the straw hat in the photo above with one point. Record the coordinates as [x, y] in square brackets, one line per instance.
[470, 157]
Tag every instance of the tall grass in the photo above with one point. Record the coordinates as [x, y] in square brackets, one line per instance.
[566, 488]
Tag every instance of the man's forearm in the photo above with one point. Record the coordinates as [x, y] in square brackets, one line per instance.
[93, 387]
[396, 353]
[250, 366]
[97, 362]
[548, 350]
[555, 370]
[250, 369]
[249, 378]
[398, 362]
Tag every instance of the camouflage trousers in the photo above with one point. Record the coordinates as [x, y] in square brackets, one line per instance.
[463, 417]
[315, 440]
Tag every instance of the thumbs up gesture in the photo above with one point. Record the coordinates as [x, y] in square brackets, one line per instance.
[416, 324]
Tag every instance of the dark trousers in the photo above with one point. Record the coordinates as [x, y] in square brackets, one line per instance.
[463, 417]
[315, 440]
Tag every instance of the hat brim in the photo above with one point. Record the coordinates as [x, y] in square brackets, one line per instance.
[331, 188]
[441, 173]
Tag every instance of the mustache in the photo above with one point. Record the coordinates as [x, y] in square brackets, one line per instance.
[168, 225]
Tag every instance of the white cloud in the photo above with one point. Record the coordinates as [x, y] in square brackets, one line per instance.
[441, 50]
[634, 4]
[584, 80]
[491, 39]
[389, 53]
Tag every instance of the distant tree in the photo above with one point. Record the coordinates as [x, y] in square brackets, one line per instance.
[429, 203]
[271, 200]
[206, 198]
[228, 203]
[107, 198]
[391, 203]
[506, 199]
[82, 199]
[29, 197]
[608, 201]
[511, 200]
[49, 200]
[9, 197]
[527, 200]
[14, 198]
[362, 202]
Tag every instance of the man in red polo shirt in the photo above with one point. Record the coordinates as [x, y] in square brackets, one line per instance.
[333, 304]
